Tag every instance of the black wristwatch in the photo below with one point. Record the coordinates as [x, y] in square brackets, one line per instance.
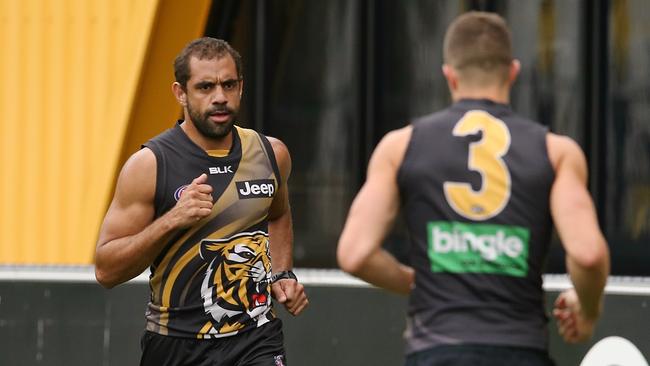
[283, 274]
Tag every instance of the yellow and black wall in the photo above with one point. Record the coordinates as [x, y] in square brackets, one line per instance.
[84, 83]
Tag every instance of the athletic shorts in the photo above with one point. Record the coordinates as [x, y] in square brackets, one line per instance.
[261, 346]
[479, 355]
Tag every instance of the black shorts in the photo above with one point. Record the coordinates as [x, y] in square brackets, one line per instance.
[479, 355]
[262, 346]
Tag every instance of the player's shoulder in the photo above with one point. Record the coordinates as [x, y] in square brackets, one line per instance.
[396, 139]
[139, 168]
[137, 178]
[562, 143]
[277, 144]
[281, 155]
[280, 149]
[563, 148]
[141, 159]
[393, 145]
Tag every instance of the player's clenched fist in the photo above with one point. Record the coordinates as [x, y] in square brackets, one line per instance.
[572, 324]
[290, 293]
[194, 203]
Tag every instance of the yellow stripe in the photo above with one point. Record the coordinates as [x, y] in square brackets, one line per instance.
[218, 153]
[156, 282]
[164, 319]
[229, 328]
[204, 330]
[176, 270]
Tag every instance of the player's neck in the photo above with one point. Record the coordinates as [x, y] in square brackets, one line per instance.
[498, 94]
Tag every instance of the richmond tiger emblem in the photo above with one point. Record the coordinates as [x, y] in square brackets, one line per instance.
[236, 287]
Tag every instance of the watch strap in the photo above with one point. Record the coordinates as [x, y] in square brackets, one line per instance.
[283, 275]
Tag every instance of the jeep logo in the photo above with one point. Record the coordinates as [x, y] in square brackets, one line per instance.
[259, 188]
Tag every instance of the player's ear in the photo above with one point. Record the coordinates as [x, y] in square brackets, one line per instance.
[513, 72]
[179, 93]
[450, 75]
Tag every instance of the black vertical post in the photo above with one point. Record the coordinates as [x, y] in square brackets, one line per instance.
[367, 93]
[259, 94]
[596, 70]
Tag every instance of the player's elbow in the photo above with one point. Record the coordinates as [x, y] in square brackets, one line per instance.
[349, 261]
[104, 278]
[348, 264]
[595, 259]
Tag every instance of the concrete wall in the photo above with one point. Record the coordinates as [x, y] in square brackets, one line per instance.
[70, 322]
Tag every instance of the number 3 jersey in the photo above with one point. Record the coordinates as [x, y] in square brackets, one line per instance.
[213, 279]
[475, 184]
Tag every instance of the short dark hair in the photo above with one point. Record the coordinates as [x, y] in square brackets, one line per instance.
[478, 40]
[205, 48]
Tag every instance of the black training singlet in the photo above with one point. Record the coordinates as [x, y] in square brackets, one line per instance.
[212, 279]
[475, 185]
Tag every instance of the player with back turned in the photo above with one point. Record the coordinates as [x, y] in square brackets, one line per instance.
[480, 188]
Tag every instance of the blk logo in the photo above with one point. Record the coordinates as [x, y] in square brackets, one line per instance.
[221, 169]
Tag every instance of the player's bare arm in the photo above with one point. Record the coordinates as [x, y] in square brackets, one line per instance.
[587, 255]
[371, 216]
[289, 292]
[129, 239]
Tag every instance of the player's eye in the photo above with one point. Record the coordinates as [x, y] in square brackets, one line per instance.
[205, 86]
[229, 85]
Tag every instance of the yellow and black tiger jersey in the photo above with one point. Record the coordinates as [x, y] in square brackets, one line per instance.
[213, 279]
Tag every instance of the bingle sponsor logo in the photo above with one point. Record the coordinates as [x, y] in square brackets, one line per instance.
[458, 247]
[490, 247]
[260, 188]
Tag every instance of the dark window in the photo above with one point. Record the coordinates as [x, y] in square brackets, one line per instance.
[626, 188]
[312, 85]
[330, 78]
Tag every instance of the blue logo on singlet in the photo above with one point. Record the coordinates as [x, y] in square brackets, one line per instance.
[179, 191]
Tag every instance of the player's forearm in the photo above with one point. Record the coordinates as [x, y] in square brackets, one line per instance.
[381, 269]
[589, 282]
[281, 242]
[122, 259]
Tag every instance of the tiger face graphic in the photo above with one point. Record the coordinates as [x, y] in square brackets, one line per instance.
[236, 289]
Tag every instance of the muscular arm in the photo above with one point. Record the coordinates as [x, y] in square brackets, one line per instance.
[574, 216]
[371, 217]
[129, 240]
[286, 291]
[280, 224]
